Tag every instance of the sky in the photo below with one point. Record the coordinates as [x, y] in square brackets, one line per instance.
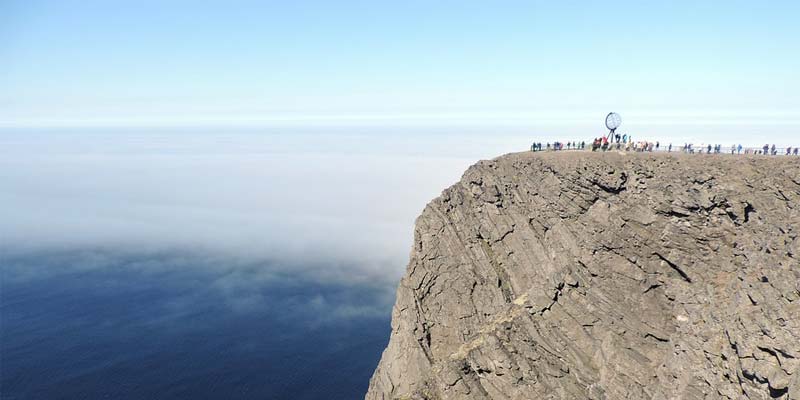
[670, 67]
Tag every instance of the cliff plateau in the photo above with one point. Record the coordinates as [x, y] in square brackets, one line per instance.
[579, 275]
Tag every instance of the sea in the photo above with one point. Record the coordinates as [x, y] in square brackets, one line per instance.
[157, 326]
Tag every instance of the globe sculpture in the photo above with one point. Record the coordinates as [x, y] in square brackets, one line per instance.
[613, 121]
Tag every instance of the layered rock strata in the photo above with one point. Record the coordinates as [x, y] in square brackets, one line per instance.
[579, 275]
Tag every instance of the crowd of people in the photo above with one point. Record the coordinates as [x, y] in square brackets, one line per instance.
[626, 143]
[623, 142]
[739, 149]
[767, 149]
[537, 146]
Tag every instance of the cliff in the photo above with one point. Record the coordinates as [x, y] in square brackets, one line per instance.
[603, 276]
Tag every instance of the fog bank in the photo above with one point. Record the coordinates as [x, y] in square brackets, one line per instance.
[328, 205]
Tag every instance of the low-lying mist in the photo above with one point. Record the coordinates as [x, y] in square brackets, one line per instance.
[345, 202]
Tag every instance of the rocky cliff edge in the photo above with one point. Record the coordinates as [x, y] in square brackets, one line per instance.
[577, 275]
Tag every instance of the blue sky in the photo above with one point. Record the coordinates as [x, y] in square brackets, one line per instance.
[236, 62]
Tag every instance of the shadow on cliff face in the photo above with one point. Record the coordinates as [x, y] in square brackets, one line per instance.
[95, 323]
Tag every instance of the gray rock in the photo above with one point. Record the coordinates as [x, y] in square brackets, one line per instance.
[603, 276]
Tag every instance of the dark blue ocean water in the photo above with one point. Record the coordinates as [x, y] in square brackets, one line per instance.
[164, 326]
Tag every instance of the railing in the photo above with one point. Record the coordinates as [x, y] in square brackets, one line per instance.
[779, 151]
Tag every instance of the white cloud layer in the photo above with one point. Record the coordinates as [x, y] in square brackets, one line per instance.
[341, 204]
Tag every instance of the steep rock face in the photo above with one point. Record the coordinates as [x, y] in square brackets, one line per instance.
[603, 276]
